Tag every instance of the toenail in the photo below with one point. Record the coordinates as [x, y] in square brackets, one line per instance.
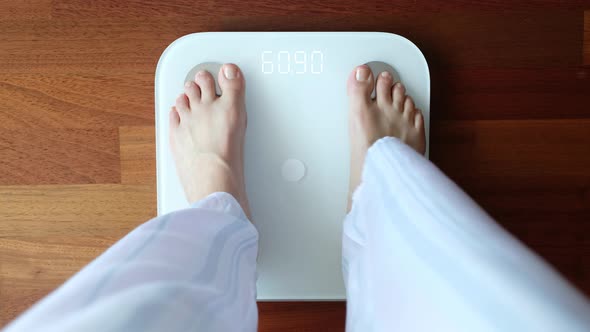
[385, 74]
[230, 72]
[201, 73]
[187, 84]
[362, 73]
[398, 85]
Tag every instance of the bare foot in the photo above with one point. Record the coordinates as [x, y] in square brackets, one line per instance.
[391, 113]
[207, 136]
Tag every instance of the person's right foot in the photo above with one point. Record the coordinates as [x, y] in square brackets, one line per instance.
[391, 113]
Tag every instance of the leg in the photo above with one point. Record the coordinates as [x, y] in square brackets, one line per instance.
[193, 269]
[419, 254]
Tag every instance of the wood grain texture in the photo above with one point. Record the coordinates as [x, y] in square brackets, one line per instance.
[45, 156]
[510, 122]
[138, 155]
[513, 149]
[510, 93]
[191, 8]
[132, 44]
[301, 316]
[62, 210]
[454, 39]
[587, 37]
[75, 101]
[25, 9]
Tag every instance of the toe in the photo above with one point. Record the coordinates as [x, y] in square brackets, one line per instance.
[174, 124]
[182, 106]
[193, 92]
[399, 94]
[207, 85]
[409, 110]
[419, 120]
[231, 81]
[383, 89]
[360, 84]
[174, 118]
[182, 103]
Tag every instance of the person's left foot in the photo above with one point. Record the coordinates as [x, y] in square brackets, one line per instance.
[392, 113]
[207, 136]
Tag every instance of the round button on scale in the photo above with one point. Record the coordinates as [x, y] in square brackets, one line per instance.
[293, 170]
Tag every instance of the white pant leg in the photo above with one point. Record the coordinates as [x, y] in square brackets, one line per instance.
[193, 269]
[420, 255]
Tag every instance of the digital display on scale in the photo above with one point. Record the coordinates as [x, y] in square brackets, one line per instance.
[297, 62]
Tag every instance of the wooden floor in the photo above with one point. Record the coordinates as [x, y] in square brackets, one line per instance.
[510, 107]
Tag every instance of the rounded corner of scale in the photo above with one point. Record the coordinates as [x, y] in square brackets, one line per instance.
[410, 43]
[173, 45]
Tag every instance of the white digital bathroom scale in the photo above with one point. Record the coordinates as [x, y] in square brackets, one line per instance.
[296, 149]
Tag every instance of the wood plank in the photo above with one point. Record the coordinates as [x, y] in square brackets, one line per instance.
[587, 37]
[510, 93]
[301, 316]
[138, 155]
[102, 100]
[188, 8]
[25, 10]
[454, 39]
[86, 47]
[450, 39]
[75, 101]
[548, 79]
[40, 155]
[108, 210]
[510, 149]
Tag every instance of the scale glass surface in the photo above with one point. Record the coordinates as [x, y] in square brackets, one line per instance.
[296, 149]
